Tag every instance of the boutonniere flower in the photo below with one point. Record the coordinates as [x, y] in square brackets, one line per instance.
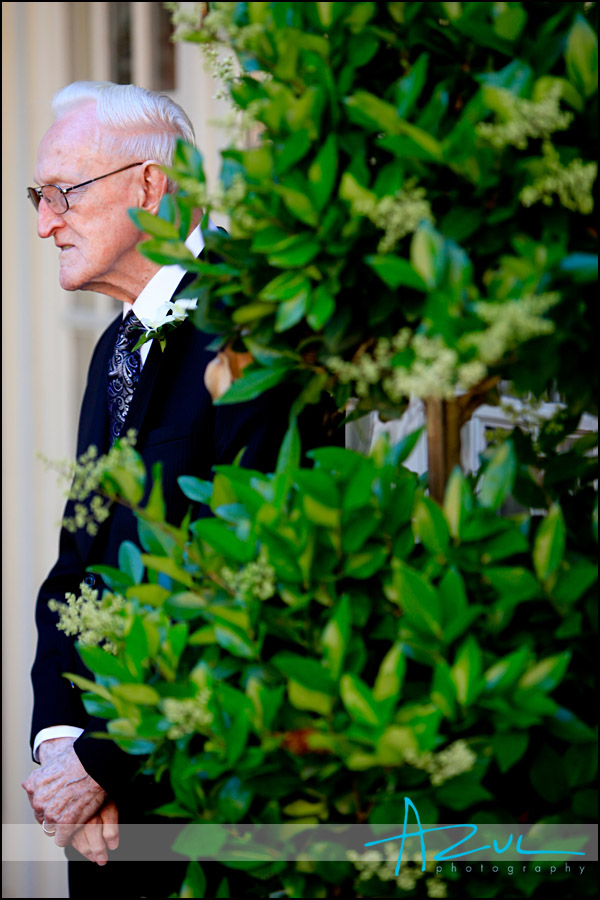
[167, 317]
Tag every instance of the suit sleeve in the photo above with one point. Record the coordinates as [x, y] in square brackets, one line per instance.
[56, 700]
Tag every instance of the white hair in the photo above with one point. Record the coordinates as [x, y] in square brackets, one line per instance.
[146, 124]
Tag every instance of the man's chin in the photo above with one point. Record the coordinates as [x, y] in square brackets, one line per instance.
[69, 281]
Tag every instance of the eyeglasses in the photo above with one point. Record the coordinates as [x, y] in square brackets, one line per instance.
[56, 197]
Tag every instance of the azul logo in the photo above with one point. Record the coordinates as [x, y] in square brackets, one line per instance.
[447, 854]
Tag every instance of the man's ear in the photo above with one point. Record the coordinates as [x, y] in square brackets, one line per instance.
[154, 186]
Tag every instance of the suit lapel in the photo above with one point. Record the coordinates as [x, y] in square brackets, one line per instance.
[94, 424]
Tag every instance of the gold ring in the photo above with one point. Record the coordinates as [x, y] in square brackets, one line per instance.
[45, 830]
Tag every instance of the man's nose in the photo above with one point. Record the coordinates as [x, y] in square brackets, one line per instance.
[47, 220]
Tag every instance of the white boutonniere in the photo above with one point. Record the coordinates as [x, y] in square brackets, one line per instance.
[168, 316]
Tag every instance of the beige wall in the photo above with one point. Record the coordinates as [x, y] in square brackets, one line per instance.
[47, 338]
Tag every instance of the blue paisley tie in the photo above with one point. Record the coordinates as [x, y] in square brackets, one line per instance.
[123, 373]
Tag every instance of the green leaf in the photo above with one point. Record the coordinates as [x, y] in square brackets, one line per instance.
[511, 22]
[336, 635]
[359, 701]
[549, 545]
[408, 88]
[304, 698]
[115, 579]
[130, 561]
[509, 747]
[565, 724]
[102, 663]
[499, 476]
[514, 583]
[461, 793]
[505, 672]
[286, 286]
[200, 840]
[453, 594]
[396, 271]
[581, 57]
[194, 883]
[458, 502]
[234, 640]
[574, 579]
[136, 649]
[299, 204]
[365, 562]
[428, 255]
[253, 384]
[156, 506]
[547, 674]
[251, 312]
[195, 488]
[466, 671]
[430, 526]
[293, 150]
[419, 600]
[189, 159]
[307, 672]
[443, 690]
[390, 677]
[168, 567]
[323, 171]
[141, 694]
[148, 594]
[300, 250]
[223, 539]
[152, 225]
[290, 312]
[321, 307]
[394, 745]
[402, 450]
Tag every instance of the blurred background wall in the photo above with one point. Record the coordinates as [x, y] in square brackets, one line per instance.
[48, 334]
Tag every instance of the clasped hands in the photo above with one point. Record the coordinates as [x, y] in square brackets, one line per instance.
[65, 797]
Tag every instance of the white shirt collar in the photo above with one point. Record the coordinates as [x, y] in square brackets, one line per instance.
[162, 286]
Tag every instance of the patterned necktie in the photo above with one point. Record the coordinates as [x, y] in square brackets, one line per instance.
[123, 373]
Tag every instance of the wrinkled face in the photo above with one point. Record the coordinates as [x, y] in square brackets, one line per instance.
[96, 238]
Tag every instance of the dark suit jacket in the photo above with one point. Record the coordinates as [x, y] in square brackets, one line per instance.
[178, 425]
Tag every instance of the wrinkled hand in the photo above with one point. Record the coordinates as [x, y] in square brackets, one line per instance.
[61, 792]
[99, 834]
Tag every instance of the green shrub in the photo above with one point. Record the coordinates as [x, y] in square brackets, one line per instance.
[414, 221]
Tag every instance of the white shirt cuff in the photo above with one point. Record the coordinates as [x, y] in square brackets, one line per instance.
[56, 731]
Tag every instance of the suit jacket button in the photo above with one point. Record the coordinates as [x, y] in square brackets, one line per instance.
[90, 580]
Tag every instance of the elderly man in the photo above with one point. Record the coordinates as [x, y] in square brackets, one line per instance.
[101, 157]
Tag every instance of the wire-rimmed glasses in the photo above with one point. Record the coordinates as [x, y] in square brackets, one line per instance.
[56, 197]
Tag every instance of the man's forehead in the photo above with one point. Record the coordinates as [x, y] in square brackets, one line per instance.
[70, 146]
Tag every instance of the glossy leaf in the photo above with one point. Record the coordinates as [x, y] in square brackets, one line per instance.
[499, 476]
[430, 526]
[417, 598]
[359, 701]
[549, 545]
[581, 57]
[547, 674]
[390, 676]
[466, 672]
[252, 385]
[397, 272]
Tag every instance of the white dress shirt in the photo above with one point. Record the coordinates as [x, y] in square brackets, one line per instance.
[161, 287]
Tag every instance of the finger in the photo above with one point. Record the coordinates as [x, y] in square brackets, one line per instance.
[93, 835]
[110, 821]
[80, 843]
